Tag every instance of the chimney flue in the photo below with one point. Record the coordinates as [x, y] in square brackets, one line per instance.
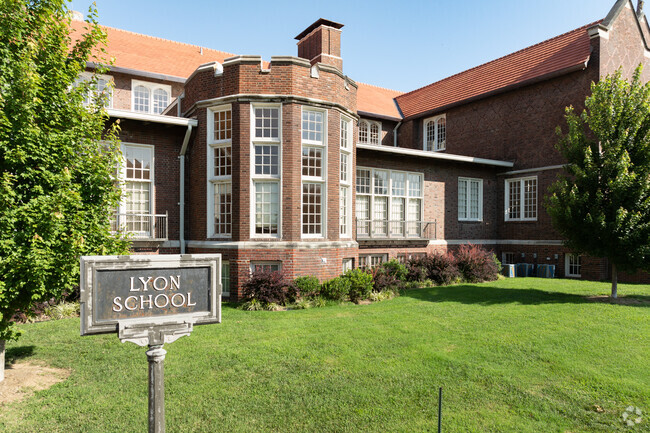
[639, 9]
[321, 43]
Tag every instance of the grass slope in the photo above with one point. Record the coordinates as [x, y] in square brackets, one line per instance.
[522, 355]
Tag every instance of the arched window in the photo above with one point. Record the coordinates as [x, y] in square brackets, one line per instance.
[141, 99]
[369, 132]
[435, 133]
[160, 100]
[363, 131]
[374, 134]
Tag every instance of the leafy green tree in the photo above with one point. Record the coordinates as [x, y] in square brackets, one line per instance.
[56, 158]
[601, 205]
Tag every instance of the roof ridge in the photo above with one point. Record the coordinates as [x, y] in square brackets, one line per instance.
[383, 88]
[165, 40]
[502, 57]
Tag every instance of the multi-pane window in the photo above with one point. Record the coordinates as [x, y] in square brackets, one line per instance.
[100, 90]
[149, 97]
[138, 182]
[521, 199]
[345, 177]
[388, 203]
[266, 267]
[435, 133]
[372, 260]
[369, 132]
[266, 159]
[266, 170]
[313, 173]
[220, 171]
[267, 208]
[266, 123]
[509, 258]
[573, 265]
[225, 278]
[348, 264]
[470, 199]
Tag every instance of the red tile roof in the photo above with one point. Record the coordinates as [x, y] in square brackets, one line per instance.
[377, 100]
[552, 56]
[151, 54]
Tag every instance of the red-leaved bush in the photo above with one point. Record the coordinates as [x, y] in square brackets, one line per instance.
[439, 268]
[269, 287]
[476, 264]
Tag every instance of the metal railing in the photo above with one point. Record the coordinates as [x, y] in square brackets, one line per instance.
[383, 229]
[141, 227]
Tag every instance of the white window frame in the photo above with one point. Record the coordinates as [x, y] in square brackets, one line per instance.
[347, 264]
[152, 88]
[437, 145]
[369, 123]
[345, 222]
[522, 198]
[504, 259]
[215, 181]
[255, 263]
[321, 180]
[469, 180]
[225, 276]
[368, 259]
[265, 178]
[382, 229]
[567, 265]
[122, 207]
[92, 90]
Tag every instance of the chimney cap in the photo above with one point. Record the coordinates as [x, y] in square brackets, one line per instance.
[318, 23]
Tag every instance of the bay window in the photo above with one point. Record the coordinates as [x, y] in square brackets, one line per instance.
[219, 172]
[313, 172]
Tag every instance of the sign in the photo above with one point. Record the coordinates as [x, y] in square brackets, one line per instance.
[151, 290]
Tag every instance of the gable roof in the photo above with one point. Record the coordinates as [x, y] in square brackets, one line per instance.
[563, 53]
[378, 101]
[151, 54]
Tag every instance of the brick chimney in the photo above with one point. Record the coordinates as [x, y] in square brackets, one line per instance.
[321, 43]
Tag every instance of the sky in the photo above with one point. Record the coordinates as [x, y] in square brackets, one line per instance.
[400, 45]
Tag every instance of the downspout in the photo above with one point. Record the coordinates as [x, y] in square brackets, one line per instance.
[181, 232]
[395, 133]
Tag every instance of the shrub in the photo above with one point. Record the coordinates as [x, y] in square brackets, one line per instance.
[385, 281]
[252, 305]
[439, 268]
[269, 287]
[476, 264]
[361, 284]
[319, 302]
[307, 286]
[395, 269]
[336, 289]
[302, 304]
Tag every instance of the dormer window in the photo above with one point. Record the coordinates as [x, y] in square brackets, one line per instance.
[369, 132]
[435, 133]
[150, 98]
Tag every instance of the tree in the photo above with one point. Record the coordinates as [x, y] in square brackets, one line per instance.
[57, 161]
[601, 205]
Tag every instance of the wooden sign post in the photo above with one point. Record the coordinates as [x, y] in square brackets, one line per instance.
[150, 300]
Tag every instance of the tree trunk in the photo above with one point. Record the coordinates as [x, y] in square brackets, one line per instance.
[2, 360]
[614, 282]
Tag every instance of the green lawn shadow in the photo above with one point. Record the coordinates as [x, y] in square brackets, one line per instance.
[491, 295]
[13, 354]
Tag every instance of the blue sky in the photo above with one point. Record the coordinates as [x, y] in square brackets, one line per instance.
[399, 45]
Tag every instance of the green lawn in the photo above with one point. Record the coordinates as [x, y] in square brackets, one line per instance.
[521, 355]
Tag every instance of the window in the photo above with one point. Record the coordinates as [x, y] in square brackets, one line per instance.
[313, 172]
[225, 278]
[509, 258]
[266, 266]
[348, 265]
[267, 123]
[521, 199]
[435, 133]
[219, 172]
[369, 132]
[266, 168]
[388, 203]
[572, 265]
[100, 88]
[470, 199]
[372, 260]
[150, 98]
[137, 175]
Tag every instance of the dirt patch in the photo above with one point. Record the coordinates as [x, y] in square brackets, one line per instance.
[24, 379]
[619, 301]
